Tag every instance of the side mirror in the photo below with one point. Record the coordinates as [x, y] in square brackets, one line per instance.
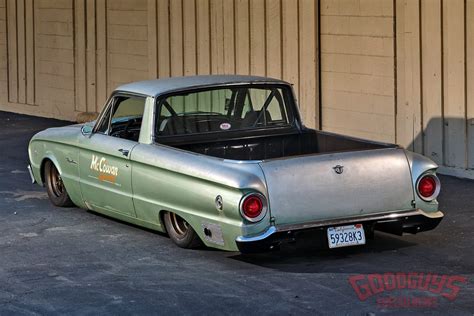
[87, 129]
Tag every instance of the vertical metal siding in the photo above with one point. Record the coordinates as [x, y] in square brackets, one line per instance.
[435, 81]
[393, 70]
[73, 53]
[432, 111]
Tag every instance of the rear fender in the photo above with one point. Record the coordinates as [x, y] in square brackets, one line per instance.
[223, 233]
[420, 165]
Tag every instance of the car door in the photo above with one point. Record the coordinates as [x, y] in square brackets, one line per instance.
[104, 158]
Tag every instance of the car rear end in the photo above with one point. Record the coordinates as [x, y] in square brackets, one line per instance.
[343, 197]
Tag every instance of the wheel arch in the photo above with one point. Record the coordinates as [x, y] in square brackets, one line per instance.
[161, 219]
[54, 161]
[187, 217]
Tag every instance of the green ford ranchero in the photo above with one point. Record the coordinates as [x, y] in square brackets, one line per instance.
[226, 161]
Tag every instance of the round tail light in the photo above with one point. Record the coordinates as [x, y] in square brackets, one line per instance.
[428, 187]
[253, 207]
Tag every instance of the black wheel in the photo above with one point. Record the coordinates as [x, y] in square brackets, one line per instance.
[180, 232]
[55, 187]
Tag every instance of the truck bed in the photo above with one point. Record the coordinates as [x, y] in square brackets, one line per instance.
[266, 147]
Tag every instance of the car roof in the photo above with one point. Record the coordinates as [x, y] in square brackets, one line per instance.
[158, 87]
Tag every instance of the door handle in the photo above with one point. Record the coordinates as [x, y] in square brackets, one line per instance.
[124, 152]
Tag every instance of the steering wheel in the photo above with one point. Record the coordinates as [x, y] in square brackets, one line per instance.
[124, 132]
[129, 124]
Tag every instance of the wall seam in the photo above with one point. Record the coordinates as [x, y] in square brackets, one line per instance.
[298, 53]
[96, 92]
[318, 119]
[24, 52]
[33, 25]
[249, 71]
[86, 59]
[466, 127]
[182, 39]
[265, 35]
[74, 54]
[420, 39]
[7, 37]
[17, 54]
[281, 39]
[196, 50]
[168, 9]
[106, 23]
[209, 17]
[395, 69]
[443, 130]
[235, 35]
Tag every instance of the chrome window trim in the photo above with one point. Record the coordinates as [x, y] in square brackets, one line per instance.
[291, 112]
[110, 103]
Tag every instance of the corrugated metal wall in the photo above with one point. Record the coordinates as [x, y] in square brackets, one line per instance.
[65, 56]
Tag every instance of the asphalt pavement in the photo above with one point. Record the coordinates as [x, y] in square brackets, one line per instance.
[71, 261]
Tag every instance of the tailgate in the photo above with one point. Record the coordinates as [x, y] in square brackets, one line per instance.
[308, 188]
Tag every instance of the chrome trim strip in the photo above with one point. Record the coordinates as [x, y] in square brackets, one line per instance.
[270, 231]
[378, 216]
[33, 180]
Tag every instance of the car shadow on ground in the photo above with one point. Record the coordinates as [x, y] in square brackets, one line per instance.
[116, 220]
[305, 258]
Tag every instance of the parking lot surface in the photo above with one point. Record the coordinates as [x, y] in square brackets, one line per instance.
[71, 261]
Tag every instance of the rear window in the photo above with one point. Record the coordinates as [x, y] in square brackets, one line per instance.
[224, 109]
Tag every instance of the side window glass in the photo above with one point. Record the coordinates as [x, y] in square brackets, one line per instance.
[127, 116]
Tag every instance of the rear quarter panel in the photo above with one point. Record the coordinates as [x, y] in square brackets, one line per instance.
[168, 179]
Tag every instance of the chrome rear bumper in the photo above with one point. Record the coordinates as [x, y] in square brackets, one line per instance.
[398, 222]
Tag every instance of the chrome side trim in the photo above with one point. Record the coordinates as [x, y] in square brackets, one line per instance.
[334, 222]
[33, 180]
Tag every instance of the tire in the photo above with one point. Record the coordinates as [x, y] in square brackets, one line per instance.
[180, 232]
[55, 187]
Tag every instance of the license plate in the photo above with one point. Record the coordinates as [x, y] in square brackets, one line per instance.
[343, 236]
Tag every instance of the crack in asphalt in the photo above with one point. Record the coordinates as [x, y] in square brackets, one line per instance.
[20, 195]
